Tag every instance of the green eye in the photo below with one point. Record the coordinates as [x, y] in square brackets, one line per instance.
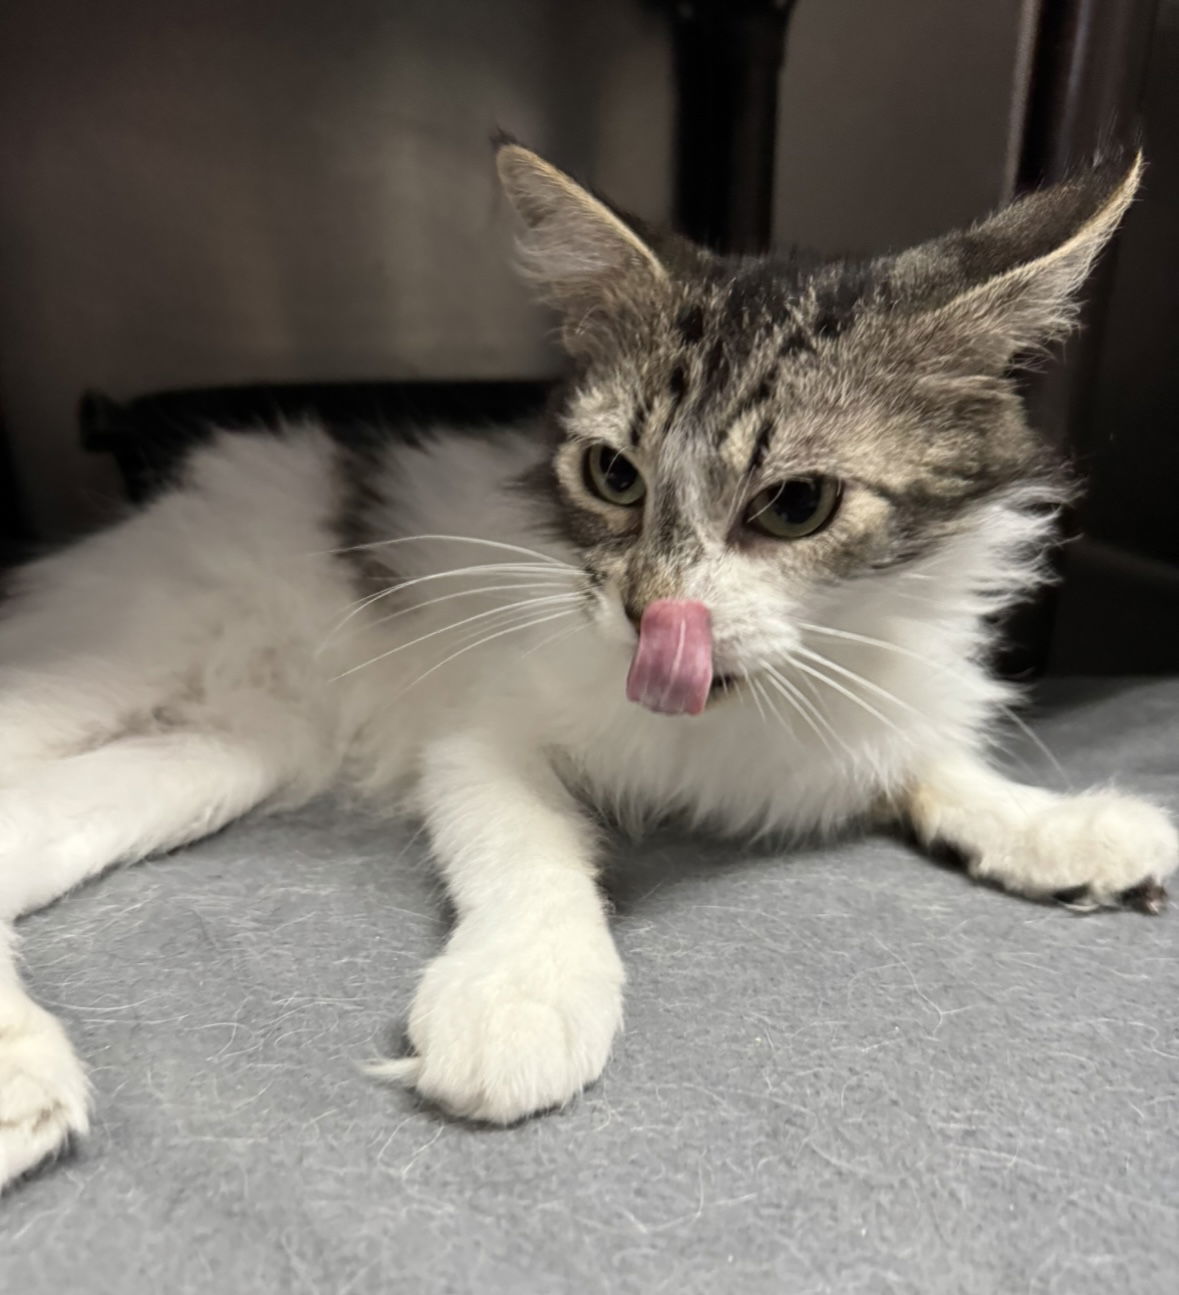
[613, 477]
[788, 510]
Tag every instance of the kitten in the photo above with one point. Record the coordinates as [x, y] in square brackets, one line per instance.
[744, 571]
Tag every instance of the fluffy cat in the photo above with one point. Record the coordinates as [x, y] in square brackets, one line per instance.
[744, 571]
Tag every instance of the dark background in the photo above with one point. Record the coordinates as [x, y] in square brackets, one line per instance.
[192, 197]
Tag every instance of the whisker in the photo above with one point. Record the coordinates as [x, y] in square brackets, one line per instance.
[493, 568]
[883, 693]
[470, 647]
[506, 616]
[777, 685]
[445, 629]
[559, 636]
[456, 539]
[872, 642]
[809, 712]
[755, 692]
[851, 696]
[467, 593]
[945, 667]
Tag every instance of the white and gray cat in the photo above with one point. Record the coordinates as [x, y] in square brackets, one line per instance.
[744, 571]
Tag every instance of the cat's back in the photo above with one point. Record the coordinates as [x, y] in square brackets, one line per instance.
[243, 528]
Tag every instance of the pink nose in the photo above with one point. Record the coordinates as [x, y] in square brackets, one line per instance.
[671, 672]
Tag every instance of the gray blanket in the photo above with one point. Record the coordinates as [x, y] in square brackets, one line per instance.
[844, 1070]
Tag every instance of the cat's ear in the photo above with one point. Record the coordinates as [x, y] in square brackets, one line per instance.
[1009, 284]
[584, 257]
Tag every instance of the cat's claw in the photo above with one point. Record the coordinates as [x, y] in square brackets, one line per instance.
[1100, 850]
[1148, 896]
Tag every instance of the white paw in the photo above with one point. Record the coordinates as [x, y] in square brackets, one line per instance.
[1098, 850]
[43, 1089]
[503, 1028]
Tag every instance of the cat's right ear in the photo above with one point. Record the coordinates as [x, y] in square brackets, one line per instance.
[584, 257]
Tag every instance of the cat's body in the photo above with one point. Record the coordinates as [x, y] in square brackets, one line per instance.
[266, 612]
[446, 626]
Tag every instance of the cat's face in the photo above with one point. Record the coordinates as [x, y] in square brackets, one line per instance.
[765, 437]
[749, 448]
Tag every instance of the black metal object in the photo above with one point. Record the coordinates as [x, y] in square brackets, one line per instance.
[728, 59]
[14, 532]
[1087, 75]
[149, 436]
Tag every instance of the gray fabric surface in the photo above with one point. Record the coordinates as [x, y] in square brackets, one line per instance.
[845, 1070]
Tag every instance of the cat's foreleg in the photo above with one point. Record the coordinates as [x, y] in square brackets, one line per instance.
[518, 1014]
[1099, 849]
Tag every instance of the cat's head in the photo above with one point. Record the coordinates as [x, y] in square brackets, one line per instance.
[762, 437]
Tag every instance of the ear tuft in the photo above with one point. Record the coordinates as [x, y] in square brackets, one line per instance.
[500, 137]
[584, 256]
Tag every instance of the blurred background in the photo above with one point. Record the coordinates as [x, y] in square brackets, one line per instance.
[301, 192]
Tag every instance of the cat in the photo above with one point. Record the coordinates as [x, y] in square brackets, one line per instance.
[745, 571]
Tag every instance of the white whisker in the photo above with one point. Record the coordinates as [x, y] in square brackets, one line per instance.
[468, 593]
[755, 692]
[944, 667]
[559, 636]
[490, 568]
[445, 629]
[851, 696]
[880, 692]
[470, 647]
[547, 558]
[808, 711]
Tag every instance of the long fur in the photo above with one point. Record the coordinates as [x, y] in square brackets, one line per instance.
[440, 627]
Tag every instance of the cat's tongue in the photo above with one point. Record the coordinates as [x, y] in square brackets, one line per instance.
[672, 668]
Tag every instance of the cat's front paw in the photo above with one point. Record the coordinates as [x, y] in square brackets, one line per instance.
[501, 1031]
[43, 1090]
[1097, 850]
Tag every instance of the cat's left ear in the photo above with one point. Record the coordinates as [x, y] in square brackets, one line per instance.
[586, 259]
[1009, 284]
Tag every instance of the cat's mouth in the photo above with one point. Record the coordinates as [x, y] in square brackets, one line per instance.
[671, 672]
[721, 684]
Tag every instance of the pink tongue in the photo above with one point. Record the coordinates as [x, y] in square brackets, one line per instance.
[672, 668]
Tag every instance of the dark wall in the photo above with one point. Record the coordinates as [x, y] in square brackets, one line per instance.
[238, 191]
[1119, 607]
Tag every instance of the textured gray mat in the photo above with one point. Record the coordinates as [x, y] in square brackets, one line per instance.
[844, 1071]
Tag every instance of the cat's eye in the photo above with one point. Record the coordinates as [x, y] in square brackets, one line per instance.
[788, 510]
[613, 477]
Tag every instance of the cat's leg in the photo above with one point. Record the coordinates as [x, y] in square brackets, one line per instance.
[70, 819]
[43, 1090]
[66, 821]
[1099, 849]
[519, 1012]
[45, 716]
